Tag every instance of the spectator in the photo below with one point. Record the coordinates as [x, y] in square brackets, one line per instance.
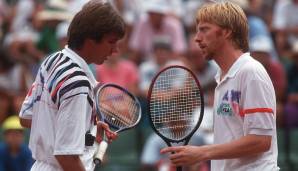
[285, 23]
[119, 71]
[14, 154]
[162, 54]
[157, 23]
[49, 19]
[15, 80]
[22, 34]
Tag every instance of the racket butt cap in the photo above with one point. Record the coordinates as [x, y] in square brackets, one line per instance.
[97, 161]
[100, 152]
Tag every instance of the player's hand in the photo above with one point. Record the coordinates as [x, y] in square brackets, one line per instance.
[186, 155]
[101, 126]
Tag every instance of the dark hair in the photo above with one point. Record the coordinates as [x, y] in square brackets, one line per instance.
[95, 20]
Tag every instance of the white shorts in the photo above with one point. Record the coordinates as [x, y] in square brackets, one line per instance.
[42, 166]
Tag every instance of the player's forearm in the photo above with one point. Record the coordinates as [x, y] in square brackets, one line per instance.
[70, 162]
[243, 147]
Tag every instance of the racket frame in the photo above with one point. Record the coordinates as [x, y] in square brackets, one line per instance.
[102, 146]
[101, 116]
[188, 137]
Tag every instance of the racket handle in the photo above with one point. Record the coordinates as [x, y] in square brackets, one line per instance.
[98, 158]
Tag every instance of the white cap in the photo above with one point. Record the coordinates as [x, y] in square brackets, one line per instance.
[260, 44]
[156, 6]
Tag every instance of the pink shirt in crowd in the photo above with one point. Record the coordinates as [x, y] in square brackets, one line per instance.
[124, 74]
[143, 35]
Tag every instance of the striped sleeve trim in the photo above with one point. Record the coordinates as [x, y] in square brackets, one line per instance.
[69, 87]
[256, 110]
[84, 93]
[51, 61]
[74, 74]
[63, 71]
[49, 58]
[56, 67]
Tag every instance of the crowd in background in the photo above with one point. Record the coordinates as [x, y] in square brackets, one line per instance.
[159, 33]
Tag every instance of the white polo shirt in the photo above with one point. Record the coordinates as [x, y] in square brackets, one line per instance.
[60, 106]
[245, 104]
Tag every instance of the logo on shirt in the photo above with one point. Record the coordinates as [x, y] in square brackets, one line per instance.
[229, 103]
[224, 109]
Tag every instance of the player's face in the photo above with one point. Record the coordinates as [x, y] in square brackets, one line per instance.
[208, 38]
[103, 49]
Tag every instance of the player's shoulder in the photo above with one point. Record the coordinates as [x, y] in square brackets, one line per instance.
[252, 70]
[251, 67]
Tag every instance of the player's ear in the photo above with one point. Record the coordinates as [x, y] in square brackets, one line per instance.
[227, 33]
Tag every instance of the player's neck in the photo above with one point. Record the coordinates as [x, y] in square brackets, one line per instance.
[83, 53]
[226, 58]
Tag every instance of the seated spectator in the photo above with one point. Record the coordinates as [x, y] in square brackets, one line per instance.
[14, 82]
[119, 71]
[22, 34]
[157, 23]
[14, 154]
[49, 19]
[285, 23]
[161, 57]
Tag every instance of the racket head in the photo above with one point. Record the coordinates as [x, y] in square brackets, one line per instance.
[117, 107]
[179, 127]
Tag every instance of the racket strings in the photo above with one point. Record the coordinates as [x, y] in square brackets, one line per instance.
[174, 99]
[118, 108]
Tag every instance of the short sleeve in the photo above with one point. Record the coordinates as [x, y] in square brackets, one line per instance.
[258, 108]
[26, 111]
[71, 125]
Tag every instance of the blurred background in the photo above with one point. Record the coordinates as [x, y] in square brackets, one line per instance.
[159, 33]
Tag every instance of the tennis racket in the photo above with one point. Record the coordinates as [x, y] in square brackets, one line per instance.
[118, 108]
[174, 98]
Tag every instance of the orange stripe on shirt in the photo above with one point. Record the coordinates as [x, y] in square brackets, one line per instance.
[255, 110]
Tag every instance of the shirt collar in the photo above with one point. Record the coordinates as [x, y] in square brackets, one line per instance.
[81, 62]
[234, 68]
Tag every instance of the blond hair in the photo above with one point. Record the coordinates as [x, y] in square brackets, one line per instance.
[229, 16]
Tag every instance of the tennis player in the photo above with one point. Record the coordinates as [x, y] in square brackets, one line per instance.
[244, 104]
[58, 108]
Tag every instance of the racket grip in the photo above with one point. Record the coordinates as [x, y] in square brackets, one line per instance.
[98, 158]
